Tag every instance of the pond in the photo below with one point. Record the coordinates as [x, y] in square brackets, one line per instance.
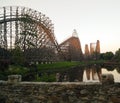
[91, 73]
[94, 77]
[115, 73]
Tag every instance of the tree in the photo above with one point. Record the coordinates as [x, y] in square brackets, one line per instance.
[107, 56]
[17, 56]
[118, 70]
[4, 59]
[4, 54]
[117, 55]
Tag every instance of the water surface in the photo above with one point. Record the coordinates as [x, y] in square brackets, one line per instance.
[114, 72]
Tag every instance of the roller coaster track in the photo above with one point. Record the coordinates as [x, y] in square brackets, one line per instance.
[26, 28]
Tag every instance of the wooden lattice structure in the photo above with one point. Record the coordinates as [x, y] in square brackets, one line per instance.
[28, 30]
[71, 48]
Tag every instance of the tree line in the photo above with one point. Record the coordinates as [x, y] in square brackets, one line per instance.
[111, 56]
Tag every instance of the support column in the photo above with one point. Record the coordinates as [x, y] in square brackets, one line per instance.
[5, 29]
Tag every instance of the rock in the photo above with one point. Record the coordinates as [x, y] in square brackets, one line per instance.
[84, 92]
[115, 99]
[33, 92]
[107, 79]
[14, 78]
[101, 98]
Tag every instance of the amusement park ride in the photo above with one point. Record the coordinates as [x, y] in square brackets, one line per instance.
[32, 33]
[29, 30]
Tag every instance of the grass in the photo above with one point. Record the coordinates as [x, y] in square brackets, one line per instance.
[51, 69]
[65, 65]
[57, 66]
[17, 70]
[45, 78]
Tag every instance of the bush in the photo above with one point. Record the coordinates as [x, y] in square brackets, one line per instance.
[46, 78]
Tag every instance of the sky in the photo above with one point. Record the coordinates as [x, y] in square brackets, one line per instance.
[93, 19]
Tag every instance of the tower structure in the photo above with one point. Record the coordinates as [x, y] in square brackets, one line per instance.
[94, 55]
[98, 46]
[87, 52]
[92, 48]
[75, 34]
[72, 47]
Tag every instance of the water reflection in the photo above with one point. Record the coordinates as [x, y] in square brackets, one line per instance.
[118, 70]
[115, 72]
[74, 74]
[92, 73]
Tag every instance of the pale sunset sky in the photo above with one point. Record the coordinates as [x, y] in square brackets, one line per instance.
[93, 19]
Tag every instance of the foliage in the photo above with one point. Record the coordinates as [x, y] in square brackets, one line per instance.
[46, 78]
[40, 54]
[4, 54]
[118, 69]
[17, 70]
[3, 75]
[44, 72]
[30, 73]
[107, 56]
[4, 59]
[117, 55]
[17, 56]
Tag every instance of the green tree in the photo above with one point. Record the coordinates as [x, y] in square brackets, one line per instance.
[107, 56]
[17, 56]
[117, 55]
[4, 59]
[118, 70]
